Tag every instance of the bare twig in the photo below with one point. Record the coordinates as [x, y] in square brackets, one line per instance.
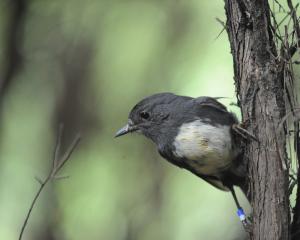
[57, 164]
[280, 6]
[57, 146]
[221, 22]
[223, 25]
[295, 19]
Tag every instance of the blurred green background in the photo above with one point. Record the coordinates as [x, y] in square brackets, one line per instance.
[86, 63]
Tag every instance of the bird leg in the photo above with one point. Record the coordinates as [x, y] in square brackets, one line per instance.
[240, 212]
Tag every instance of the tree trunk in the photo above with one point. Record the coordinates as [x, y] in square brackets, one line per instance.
[259, 85]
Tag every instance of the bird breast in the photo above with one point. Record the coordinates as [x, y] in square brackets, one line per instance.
[205, 148]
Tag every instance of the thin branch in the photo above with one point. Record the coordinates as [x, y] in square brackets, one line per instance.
[43, 184]
[52, 175]
[295, 19]
[223, 25]
[280, 6]
[67, 155]
[57, 146]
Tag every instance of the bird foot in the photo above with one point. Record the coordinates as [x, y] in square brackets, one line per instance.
[248, 226]
[246, 221]
[238, 128]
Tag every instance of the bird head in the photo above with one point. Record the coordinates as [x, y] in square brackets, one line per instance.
[153, 116]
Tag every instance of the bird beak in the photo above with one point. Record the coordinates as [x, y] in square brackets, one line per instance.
[126, 129]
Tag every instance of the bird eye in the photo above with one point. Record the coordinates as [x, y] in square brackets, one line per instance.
[144, 115]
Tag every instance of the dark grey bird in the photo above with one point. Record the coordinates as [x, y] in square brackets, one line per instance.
[195, 134]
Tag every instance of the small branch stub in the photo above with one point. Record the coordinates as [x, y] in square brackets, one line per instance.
[57, 165]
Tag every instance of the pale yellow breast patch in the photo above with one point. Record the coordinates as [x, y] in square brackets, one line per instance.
[207, 148]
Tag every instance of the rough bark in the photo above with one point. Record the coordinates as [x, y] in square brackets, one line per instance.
[259, 85]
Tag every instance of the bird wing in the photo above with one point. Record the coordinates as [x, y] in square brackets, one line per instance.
[210, 102]
[209, 108]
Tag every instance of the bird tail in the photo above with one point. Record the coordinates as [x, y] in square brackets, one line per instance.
[238, 175]
[244, 186]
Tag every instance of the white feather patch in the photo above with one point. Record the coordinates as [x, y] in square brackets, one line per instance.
[207, 148]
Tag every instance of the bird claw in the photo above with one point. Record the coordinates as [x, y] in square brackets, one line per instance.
[246, 221]
[247, 226]
[238, 128]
